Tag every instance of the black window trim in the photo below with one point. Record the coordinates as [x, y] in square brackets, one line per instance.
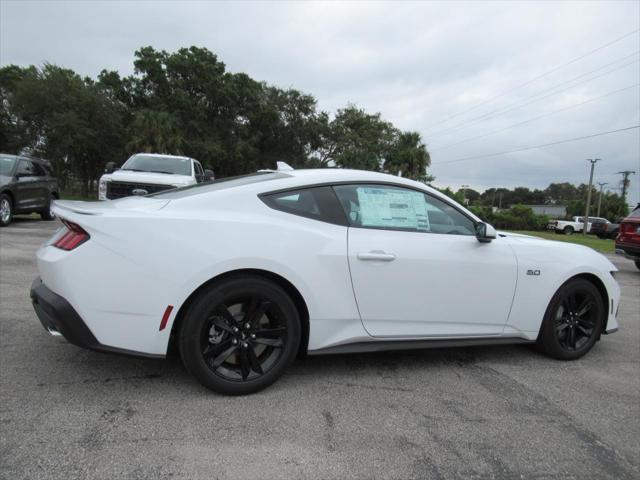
[330, 209]
[347, 223]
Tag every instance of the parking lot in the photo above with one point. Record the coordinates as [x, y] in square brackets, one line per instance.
[486, 412]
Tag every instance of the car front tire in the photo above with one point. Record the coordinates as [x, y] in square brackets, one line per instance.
[568, 230]
[240, 335]
[573, 320]
[6, 210]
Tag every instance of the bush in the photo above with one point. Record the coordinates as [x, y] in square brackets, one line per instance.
[518, 217]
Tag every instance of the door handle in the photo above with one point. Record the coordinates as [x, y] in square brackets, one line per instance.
[377, 255]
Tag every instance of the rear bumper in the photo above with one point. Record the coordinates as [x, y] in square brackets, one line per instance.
[58, 317]
[630, 251]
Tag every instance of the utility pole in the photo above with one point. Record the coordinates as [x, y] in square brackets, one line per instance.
[602, 184]
[586, 214]
[464, 194]
[625, 182]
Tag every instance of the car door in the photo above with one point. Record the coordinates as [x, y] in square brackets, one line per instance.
[417, 268]
[27, 186]
[41, 186]
[199, 172]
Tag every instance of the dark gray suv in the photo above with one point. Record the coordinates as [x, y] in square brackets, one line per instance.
[26, 186]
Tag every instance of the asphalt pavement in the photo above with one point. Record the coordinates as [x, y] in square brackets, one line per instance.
[486, 412]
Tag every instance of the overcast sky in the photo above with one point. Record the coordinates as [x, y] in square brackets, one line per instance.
[452, 71]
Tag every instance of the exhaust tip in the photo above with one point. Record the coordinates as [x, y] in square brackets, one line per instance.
[53, 332]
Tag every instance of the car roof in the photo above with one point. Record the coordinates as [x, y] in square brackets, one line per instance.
[26, 157]
[164, 155]
[332, 175]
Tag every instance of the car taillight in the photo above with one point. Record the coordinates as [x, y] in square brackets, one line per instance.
[74, 236]
[627, 228]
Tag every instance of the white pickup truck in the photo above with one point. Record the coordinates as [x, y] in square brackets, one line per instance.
[574, 225]
[145, 173]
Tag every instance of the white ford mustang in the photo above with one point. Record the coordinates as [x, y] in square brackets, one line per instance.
[244, 274]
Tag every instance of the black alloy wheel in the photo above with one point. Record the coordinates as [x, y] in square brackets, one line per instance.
[244, 339]
[239, 336]
[573, 321]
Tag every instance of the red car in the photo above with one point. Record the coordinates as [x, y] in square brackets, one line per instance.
[628, 239]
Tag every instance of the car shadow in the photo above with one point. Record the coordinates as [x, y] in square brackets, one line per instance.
[90, 368]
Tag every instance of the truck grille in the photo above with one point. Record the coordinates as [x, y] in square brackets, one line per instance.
[125, 189]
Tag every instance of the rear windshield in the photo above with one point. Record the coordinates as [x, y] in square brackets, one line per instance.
[158, 164]
[635, 213]
[218, 184]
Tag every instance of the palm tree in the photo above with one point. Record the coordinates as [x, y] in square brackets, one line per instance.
[154, 131]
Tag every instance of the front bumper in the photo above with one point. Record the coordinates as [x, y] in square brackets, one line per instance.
[58, 317]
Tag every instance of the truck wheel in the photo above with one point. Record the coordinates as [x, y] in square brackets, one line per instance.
[568, 230]
[637, 262]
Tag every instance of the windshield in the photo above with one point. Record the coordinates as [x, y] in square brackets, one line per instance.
[6, 165]
[218, 184]
[158, 164]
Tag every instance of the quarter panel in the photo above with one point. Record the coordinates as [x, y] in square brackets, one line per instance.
[138, 263]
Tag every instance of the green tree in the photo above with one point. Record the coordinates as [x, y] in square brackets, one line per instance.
[408, 156]
[154, 132]
[68, 120]
[356, 139]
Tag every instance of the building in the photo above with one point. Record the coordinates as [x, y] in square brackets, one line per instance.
[553, 211]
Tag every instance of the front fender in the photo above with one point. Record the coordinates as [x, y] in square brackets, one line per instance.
[543, 267]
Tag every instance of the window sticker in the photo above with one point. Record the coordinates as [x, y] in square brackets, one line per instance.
[385, 207]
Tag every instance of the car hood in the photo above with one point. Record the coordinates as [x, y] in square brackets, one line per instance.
[149, 177]
[538, 249]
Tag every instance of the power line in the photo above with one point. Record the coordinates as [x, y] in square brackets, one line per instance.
[548, 72]
[515, 106]
[464, 159]
[533, 119]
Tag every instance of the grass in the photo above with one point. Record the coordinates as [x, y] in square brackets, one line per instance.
[600, 244]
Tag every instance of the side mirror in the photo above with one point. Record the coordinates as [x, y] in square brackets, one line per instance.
[485, 232]
[208, 174]
[110, 167]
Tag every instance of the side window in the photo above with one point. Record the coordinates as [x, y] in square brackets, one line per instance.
[26, 169]
[38, 170]
[199, 173]
[318, 203]
[397, 208]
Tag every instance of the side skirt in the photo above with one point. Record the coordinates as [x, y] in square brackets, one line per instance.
[391, 345]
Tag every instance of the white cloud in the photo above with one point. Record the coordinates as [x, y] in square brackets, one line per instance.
[417, 63]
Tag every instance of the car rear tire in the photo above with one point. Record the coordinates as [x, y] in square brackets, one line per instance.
[47, 214]
[568, 230]
[6, 210]
[240, 335]
[573, 320]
